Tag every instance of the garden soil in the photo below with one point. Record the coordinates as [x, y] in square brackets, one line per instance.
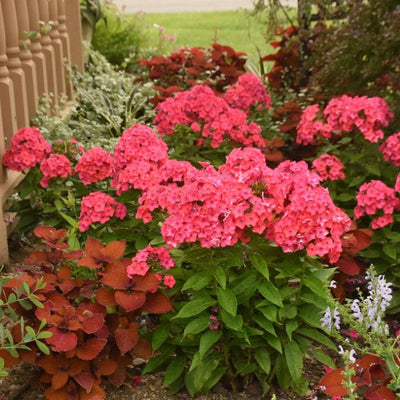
[23, 380]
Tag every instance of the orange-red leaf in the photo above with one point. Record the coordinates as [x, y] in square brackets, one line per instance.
[379, 393]
[105, 297]
[86, 380]
[331, 383]
[126, 338]
[104, 367]
[62, 341]
[115, 276]
[130, 301]
[90, 349]
[157, 303]
[145, 283]
[349, 266]
[143, 348]
[114, 250]
[59, 379]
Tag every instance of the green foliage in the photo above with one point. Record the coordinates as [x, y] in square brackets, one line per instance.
[106, 103]
[243, 312]
[119, 37]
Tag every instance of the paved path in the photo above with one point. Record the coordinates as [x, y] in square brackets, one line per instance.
[164, 6]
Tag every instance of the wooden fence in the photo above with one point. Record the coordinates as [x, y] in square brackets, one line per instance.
[37, 38]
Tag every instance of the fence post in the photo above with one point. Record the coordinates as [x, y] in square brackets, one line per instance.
[74, 27]
[57, 45]
[14, 63]
[65, 42]
[28, 65]
[48, 49]
[36, 47]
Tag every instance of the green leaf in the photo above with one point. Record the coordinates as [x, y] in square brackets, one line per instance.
[311, 314]
[215, 378]
[264, 360]
[195, 307]
[270, 312]
[44, 335]
[12, 298]
[259, 263]
[294, 360]
[157, 361]
[290, 326]
[270, 292]
[231, 322]
[42, 347]
[323, 358]
[316, 285]
[160, 335]
[220, 276]
[317, 336]
[390, 251]
[207, 340]
[197, 325]
[274, 342]
[197, 281]
[174, 370]
[264, 323]
[241, 283]
[227, 300]
[70, 220]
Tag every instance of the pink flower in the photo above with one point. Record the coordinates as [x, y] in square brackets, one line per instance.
[151, 257]
[94, 165]
[248, 91]
[28, 148]
[391, 149]
[169, 281]
[374, 197]
[397, 184]
[57, 165]
[200, 107]
[328, 166]
[99, 207]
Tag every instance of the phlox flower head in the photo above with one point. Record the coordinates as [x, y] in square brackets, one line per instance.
[99, 207]
[374, 197]
[248, 91]
[28, 148]
[152, 257]
[390, 149]
[138, 154]
[94, 165]
[368, 114]
[312, 127]
[56, 165]
[200, 109]
[328, 167]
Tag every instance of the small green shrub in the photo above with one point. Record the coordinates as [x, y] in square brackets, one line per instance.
[119, 37]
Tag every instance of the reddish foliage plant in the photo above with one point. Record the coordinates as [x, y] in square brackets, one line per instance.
[94, 322]
[371, 378]
[217, 67]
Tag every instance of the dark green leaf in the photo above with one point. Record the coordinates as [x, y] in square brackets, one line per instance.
[195, 307]
[264, 360]
[270, 292]
[174, 370]
[227, 300]
[259, 263]
[197, 325]
[197, 281]
[294, 359]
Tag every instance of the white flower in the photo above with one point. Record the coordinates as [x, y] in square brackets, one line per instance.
[352, 355]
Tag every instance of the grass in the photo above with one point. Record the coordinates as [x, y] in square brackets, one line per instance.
[238, 29]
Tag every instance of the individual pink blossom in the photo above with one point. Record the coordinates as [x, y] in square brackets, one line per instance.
[375, 197]
[56, 165]
[169, 281]
[150, 257]
[199, 107]
[99, 207]
[94, 165]
[214, 323]
[248, 91]
[391, 149]
[28, 148]
[328, 167]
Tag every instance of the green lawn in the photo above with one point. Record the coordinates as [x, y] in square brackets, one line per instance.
[237, 29]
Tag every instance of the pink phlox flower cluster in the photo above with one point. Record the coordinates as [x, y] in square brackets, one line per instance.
[138, 154]
[56, 165]
[94, 165]
[374, 197]
[248, 91]
[247, 165]
[200, 109]
[328, 166]
[311, 126]
[155, 257]
[305, 215]
[390, 149]
[28, 148]
[367, 114]
[343, 114]
[99, 207]
[397, 184]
